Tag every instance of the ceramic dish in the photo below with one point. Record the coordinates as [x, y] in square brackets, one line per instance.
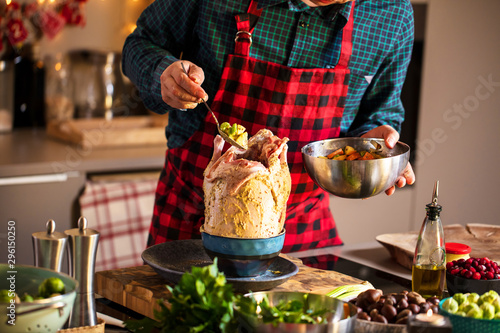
[172, 259]
[243, 257]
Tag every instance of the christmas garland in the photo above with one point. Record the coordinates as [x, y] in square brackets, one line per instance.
[26, 23]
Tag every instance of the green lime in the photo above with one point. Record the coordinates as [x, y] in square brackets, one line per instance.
[51, 286]
[6, 296]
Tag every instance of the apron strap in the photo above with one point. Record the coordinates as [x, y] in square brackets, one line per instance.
[346, 49]
[243, 39]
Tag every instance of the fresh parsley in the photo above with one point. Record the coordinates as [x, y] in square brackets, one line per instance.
[202, 301]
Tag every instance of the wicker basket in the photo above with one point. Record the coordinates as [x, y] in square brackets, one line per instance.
[99, 328]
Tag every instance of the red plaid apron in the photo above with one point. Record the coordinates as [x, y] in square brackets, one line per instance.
[302, 104]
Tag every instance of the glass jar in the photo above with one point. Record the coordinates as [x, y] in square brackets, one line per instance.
[455, 251]
[58, 89]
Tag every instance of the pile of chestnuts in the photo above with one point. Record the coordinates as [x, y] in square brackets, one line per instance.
[393, 308]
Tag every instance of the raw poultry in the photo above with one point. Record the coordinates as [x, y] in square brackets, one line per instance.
[246, 190]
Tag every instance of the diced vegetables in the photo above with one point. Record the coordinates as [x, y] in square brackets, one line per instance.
[235, 132]
[350, 154]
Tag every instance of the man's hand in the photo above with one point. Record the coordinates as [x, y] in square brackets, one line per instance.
[183, 91]
[391, 136]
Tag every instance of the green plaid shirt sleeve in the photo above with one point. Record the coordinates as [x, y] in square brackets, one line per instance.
[289, 33]
[375, 87]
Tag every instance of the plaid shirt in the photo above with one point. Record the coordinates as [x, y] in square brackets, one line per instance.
[288, 33]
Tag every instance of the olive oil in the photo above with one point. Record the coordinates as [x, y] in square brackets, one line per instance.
[428, 280]
[429, 262]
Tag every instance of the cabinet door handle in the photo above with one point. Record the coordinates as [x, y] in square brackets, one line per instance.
[37, 179]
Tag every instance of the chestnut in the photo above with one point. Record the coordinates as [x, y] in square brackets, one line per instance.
[388, 311]
[424, 307]
[380, 319]
[414, 308]
[402, 304]
[364, 316]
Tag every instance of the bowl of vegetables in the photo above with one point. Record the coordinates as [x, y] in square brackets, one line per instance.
[472, 312]
[355, 168]
[34, 299]
[277, 311]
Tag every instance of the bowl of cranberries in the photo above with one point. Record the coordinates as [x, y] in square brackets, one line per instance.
[472, 275]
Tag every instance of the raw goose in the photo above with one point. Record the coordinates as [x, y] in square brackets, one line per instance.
[246, 190]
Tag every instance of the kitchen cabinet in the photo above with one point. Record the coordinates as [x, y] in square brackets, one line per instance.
[41, 179]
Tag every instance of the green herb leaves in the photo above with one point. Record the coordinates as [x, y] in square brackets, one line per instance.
[200, 302]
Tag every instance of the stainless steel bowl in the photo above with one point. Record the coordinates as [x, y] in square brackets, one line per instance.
[341, 315]
[356, 179]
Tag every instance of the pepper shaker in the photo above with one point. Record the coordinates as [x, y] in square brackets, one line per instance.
[49, 246]
[82, 244]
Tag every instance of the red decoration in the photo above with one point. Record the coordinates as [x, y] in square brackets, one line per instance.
[51, 23]
[73, 13]
[46, 19]
[16, 32]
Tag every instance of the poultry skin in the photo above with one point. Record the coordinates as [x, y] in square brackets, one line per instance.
[246, 191]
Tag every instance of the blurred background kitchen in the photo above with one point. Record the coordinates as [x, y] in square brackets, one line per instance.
[75, 138]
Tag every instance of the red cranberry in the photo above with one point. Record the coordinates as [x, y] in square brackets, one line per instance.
[472, 269]
[489, 275]
[476, 276]
[468, 275]
[449, 265]
[455, 271]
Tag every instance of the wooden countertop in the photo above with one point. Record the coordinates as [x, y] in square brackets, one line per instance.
[139, 288]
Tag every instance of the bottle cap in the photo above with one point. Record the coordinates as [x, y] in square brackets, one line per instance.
[457, 248]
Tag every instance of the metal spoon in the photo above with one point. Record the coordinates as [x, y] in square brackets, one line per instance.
[223, 134]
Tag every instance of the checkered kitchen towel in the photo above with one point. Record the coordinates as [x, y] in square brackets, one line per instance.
[121, 212]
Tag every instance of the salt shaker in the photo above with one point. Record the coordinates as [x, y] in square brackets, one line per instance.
[49, 246]
[82, 244]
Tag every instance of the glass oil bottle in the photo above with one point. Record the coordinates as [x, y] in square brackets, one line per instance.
[429, 262]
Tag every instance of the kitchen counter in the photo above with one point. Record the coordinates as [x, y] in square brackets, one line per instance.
[42, 179]
[31, 152]
[358, 266]
[369, 254]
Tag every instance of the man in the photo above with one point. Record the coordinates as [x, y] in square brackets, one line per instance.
[305, 69]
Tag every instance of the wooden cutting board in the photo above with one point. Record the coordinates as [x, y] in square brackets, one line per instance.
[139, 288]
[484, 240]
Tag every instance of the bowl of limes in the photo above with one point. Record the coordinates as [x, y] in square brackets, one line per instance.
[34, 299]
